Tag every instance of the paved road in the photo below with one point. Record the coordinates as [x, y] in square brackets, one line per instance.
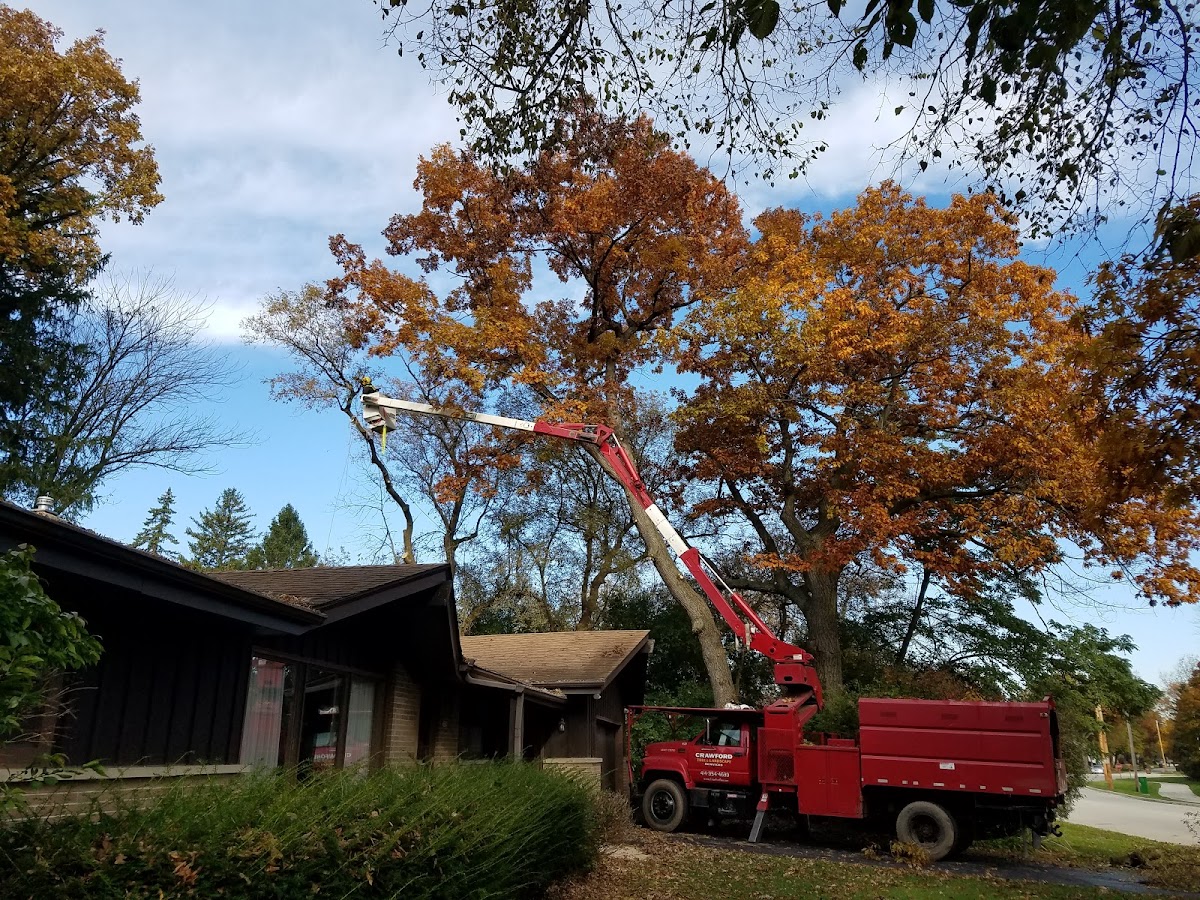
[1153, 819]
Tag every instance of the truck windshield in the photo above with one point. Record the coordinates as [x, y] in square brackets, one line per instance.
[721, 734]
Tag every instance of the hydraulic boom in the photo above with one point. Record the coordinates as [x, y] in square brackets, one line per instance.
[793, 665]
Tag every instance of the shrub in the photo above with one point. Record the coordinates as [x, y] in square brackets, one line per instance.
[470, 831]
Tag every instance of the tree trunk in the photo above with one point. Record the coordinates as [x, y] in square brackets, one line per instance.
[704, 626]
[914, 620]
[824, 640]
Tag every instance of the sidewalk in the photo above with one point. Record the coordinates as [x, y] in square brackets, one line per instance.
[1144, 817]
[1180, 793]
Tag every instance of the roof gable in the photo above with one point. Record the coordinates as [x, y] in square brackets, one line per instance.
[566, 660]
[324, 586]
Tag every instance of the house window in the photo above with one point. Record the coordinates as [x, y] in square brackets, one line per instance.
[324, 716]
[269, 700]
[359, 721]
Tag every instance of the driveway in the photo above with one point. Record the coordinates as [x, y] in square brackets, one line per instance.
[1154, 819]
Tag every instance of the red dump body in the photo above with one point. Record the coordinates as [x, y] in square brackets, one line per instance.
[989, 748]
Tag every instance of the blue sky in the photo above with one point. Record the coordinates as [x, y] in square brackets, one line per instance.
[279, 123]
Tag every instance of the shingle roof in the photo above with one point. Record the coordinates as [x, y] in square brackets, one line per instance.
[323, 586]
[565, 660]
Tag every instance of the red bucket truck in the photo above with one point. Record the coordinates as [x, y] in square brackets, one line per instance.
[940, 773]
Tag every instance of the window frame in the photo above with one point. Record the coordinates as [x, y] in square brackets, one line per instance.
[291, 728]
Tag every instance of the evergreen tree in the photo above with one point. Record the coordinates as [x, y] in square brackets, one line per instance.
[223, 535]
[284, 546]
[154, 535]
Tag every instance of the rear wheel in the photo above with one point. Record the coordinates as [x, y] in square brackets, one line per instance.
[664, 805]
[930, 827]
[965, 837]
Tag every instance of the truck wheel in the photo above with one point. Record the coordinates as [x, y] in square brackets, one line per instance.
[664, 805]
[928, 826]
[965, 837]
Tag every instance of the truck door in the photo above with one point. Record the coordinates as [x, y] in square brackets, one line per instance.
[721, 755]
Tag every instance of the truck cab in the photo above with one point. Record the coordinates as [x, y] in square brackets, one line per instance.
[713, 774]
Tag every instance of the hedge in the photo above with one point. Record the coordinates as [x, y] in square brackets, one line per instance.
[463, 831]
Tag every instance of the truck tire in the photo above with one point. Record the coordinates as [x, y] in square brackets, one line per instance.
[664, 805]
[929, 826]
[965, 837]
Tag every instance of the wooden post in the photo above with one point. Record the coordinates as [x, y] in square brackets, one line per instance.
[1108, 779]
[517, 747]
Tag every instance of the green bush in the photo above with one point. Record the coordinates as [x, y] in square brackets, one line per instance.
[469, 831]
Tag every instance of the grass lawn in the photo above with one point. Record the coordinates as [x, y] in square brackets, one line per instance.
[1125, 786]
[663, 868]
[1163, 865]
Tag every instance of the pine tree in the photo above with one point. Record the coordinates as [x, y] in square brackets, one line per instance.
[284, 546]
[223, 535]
[154, 535]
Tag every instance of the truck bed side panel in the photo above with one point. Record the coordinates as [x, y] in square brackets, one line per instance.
[995, 748]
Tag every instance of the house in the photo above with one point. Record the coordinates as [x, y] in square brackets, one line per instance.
[599, 672]
[308, 668]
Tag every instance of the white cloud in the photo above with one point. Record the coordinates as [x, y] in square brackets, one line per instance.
[275, 124]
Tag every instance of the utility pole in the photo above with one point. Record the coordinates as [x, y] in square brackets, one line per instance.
[1132, 752]
[1162, 754]
[1104, 749]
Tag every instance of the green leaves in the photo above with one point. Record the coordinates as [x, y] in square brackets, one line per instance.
[37, 640]
[761, 17]
[223, 535]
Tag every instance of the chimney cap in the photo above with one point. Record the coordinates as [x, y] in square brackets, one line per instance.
[44, 504]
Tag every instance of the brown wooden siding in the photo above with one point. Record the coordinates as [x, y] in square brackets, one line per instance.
[168, 690]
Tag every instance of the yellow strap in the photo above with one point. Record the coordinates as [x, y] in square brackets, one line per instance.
[383, 443]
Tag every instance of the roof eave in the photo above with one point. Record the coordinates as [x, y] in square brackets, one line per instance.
[67, 548]
[356, 604]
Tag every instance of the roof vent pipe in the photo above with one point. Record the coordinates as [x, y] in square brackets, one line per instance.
[44, 504]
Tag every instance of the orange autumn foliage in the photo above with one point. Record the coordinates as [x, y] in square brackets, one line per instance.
[890, 380]
[893, 381]
[637, 231]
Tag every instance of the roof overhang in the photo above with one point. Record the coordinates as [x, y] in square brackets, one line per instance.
[62, 547]
[481, 677]
[347, 607]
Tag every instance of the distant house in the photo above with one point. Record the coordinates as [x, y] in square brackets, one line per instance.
[599, 672]
[311, 668]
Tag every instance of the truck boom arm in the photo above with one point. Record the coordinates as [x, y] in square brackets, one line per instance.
[747, 626]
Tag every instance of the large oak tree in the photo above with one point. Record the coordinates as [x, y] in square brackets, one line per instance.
[892, 380]
[71, 155]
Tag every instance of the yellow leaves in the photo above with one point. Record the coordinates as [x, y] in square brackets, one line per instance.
[68, 138]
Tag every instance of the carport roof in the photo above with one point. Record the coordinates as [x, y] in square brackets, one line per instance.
[567, 660]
